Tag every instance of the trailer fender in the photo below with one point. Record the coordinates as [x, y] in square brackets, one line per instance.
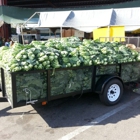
[100, 84]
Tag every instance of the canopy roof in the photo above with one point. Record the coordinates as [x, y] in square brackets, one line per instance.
[127, 17]
[84, 20]
[88, 20]
[16, 15]
[53, 19]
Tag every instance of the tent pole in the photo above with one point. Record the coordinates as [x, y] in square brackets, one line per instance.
[22, 35]
[30, 18]
[61, 31]
[109, 33]
[49, 33]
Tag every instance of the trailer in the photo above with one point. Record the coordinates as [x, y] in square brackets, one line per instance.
[31, 87]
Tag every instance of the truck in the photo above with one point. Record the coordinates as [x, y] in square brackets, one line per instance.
[44, 85]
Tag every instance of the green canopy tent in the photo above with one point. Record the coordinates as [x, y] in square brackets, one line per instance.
[15, 15]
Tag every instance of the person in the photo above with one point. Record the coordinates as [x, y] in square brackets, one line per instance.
[11, 43]
[7, 43]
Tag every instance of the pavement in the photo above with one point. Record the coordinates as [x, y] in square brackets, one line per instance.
[73, 118]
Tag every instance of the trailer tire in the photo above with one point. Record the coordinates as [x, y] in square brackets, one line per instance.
[112, 92]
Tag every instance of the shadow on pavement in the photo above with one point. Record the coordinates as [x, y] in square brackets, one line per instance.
[77, 110]
[71, 112]
[3, 99]
[3, 112]
[7, 112]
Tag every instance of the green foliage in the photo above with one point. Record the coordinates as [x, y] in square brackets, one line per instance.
[64, 52]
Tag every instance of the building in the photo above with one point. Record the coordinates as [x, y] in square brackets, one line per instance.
[64, 4]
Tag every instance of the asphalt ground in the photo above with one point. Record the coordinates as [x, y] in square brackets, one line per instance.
[77, 118]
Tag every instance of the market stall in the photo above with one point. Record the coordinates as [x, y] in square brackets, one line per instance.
[89, 20]
[83, 20]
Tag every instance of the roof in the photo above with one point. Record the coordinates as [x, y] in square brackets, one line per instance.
[88, 20]
[53, 19]
[128, 17]
[84, 20]
[63, 3]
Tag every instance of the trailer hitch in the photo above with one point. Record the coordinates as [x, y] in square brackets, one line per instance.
[28, 92]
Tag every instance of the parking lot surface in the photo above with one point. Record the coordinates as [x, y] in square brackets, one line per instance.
[77, 118]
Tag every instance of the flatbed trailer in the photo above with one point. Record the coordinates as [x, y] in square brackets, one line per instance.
[23, 88]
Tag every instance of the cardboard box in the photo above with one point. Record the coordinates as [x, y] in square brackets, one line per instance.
[68, 32]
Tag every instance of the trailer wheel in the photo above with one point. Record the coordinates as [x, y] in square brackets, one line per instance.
[112, 92]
